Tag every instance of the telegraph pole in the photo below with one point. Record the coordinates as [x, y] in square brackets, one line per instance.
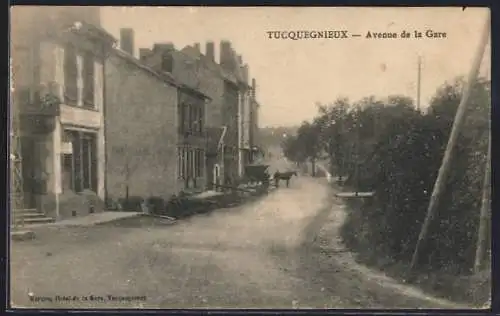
[455, 130]
[419, 79]
[484, 216]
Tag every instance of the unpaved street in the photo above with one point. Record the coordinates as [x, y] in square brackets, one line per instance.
[259, 255]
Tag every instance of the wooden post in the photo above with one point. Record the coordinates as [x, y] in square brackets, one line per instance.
[419, 79]
[358, 150]
[455, 130]
[484, 216]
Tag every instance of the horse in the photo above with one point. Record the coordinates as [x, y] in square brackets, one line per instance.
[283, 176]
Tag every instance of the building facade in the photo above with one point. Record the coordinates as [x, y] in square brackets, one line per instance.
[62, 145]
[154, 129]
[228, 115]
[192, 144]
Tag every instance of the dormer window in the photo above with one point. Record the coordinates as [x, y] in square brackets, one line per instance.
[167, 62]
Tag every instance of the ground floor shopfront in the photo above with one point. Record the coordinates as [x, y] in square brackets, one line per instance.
[63, 169]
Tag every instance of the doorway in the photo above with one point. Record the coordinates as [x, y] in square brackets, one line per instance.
[216, 175]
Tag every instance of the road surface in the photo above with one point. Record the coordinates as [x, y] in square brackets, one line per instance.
[260, 255]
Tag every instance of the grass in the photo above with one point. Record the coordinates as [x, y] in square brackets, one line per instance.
[472, 289]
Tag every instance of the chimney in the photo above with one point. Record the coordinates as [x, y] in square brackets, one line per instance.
[144, 53]
[244, 73]
[163, 46]
[226, 54]
[127, 40]
[254, 88]
[197, 47]
[210, 51]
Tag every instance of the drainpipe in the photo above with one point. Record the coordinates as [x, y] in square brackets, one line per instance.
[240, 130]
[56, 139]
[106, 55]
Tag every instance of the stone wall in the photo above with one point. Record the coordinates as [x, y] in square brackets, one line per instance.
[141, 131]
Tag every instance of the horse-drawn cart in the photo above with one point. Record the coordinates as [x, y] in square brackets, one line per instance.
[258, 175]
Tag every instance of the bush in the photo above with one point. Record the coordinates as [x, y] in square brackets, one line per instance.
[156, 205]
[132, 204]
[403, 168]
[397, 152]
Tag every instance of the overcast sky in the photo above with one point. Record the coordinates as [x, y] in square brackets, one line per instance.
[293, 75]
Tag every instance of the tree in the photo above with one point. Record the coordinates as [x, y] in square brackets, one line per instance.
[330, 122]
[399, 153]
[305, 145]
[131, 162]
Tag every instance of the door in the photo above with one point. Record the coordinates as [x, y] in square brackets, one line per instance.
[29, 166]
[216, 174]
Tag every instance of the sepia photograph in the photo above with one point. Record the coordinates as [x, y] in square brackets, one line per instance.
[250, 157]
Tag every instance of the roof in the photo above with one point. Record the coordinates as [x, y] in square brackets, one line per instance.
[164, 76]
[194, 53]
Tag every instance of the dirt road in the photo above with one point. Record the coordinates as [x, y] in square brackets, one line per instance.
[269, 254]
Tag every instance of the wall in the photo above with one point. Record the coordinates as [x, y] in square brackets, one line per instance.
[141, 131]
[254, 124]
[246, 120]
[199, 74]
[230, 116]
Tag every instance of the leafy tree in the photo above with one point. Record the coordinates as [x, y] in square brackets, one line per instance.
[397, 151]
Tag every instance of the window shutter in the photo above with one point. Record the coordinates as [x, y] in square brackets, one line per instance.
[70, 74]
[77, 163]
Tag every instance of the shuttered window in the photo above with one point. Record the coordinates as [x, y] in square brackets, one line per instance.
[70, 75]
[88, 80]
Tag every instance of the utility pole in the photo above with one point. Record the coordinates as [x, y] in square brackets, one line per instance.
[358, 151]
[455, 130]
[484, 216]
[419, 79]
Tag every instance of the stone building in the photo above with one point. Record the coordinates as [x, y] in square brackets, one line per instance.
[56, 53]
[155, 129]
[228, 116]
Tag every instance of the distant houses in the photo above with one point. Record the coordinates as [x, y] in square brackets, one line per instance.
[231, 115]
[171, 120]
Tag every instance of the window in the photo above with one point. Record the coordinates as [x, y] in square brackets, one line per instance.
[35, 59]
[191, 115]
[184, 118]
[196, 120]
[70, 75]
[180, 174]
[201, 118]
[67, 172]
[88, 79]
[190, 163]
[200, 161]
[182, 162]
[167, 62]
[80, 167]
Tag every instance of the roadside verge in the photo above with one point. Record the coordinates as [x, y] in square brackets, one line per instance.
[337, 266]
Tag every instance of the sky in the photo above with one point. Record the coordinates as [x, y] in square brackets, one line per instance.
[294, 75]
